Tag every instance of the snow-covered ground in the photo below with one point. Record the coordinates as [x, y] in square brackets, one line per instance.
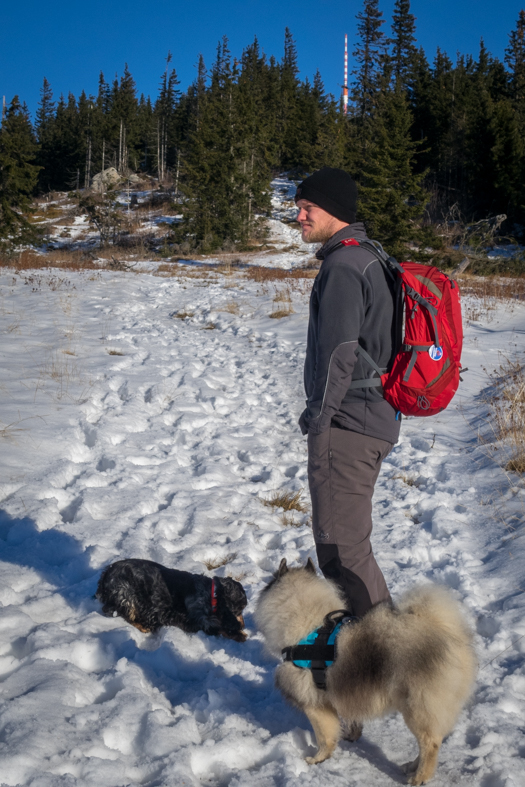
[150, 417]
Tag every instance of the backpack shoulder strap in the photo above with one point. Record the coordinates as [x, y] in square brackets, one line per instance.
[390, 264]
[392, 268]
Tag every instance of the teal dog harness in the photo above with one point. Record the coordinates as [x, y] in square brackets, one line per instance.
[317, 650]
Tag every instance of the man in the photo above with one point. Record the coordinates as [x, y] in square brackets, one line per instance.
[350, 429]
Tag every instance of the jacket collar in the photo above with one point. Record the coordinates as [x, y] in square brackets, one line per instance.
[356, 230]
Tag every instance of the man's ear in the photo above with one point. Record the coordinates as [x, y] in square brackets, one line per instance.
[310, 566]
[283, 568]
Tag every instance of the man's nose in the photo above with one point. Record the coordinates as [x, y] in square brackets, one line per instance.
[301, 216]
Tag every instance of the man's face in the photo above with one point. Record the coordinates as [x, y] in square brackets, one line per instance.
[316, 224]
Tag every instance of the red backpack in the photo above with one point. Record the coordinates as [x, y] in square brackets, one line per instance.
[424, 374]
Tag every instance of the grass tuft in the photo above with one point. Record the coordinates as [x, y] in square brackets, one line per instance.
[507, 405]
[279, 313]
[516, 465]
[288, 520]
[232, 307]
[282, 303]
[262, 274]
[212, 563]
[406, 479]
[288, 501]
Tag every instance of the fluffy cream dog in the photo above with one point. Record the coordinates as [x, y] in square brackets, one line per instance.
[416, 658]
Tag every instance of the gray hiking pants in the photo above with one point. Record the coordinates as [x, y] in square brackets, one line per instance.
[342, 470]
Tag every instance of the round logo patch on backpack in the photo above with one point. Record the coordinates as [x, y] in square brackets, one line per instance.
[436, 353]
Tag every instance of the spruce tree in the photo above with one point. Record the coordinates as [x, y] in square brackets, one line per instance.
[392, 199]
[509, 154]
[479, 140]
[18, 173]
[508, 162]
[255, 143]
[368, 85]
[420, 99]
[515, 60]
[324, 137]
[209, 184]
[403, 50]
[289, 119]
[440, 133]
[87, 137]
[64, 159]
[122, 123]
[145, 124]
[45, 118]
[165, 118]
[101, 126]
[369, 56]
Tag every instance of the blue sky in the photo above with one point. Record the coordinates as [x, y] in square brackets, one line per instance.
[70, 43]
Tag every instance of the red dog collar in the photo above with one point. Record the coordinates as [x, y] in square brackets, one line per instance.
[213, 597]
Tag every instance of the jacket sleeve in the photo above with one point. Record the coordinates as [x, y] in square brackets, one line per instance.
[343, 294]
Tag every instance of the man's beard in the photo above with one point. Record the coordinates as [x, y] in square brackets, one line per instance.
[319, 236]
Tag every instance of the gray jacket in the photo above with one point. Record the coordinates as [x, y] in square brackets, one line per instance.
[352, 301]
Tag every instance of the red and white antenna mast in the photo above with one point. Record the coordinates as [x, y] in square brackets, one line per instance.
[345, 83]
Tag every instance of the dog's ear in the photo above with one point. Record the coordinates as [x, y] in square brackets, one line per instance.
[310, 566]
[233, 593]
[283, 568]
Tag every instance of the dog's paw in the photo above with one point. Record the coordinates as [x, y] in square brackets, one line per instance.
[410, 767]
[416, 780]
[314, 760]
[321, 756]
[415, 776]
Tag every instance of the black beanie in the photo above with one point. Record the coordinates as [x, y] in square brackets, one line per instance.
[333, 190]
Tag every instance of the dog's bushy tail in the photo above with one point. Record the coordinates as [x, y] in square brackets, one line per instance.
[446, 643]
[437, 606]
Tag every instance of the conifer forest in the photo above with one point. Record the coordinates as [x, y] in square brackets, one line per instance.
[423, 139]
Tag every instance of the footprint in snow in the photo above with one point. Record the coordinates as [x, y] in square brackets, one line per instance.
[90, 436]
[487, 626]
[69, 513]
[105, 464]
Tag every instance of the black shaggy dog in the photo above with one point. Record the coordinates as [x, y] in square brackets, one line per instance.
[149, 596]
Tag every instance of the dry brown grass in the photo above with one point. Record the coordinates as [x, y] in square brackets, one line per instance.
[216, 561]
[70, 260]
[175, 268]
[133, 250]
[63, 377]
[170, 268]
[405, 478]
[38, 281]
[261, 274]
[282, 303]
[516, 465]
[45, 211]
[507, 406]
[498, 287]
[279, 313]
[10, 431]
[288, 520]
[231, 307]
[288, 501]
[486, 293]
[14, 327]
